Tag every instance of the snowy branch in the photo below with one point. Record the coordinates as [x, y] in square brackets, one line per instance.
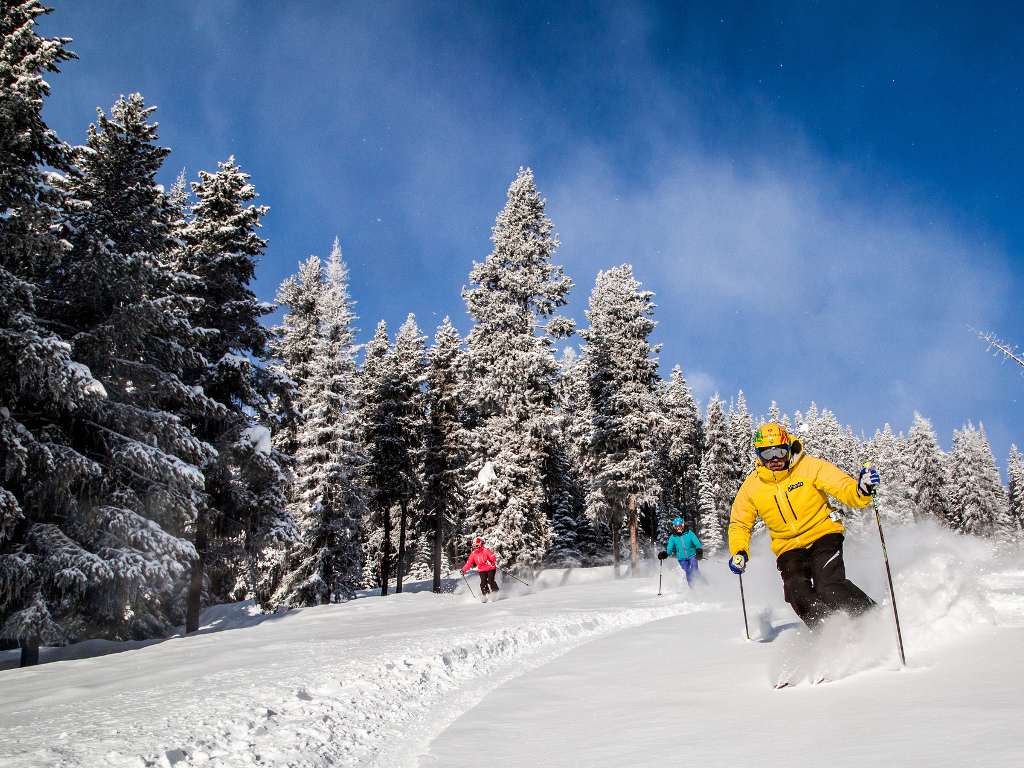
[1009, 353]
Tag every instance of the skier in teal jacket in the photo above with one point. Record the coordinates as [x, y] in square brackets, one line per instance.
[685, 546]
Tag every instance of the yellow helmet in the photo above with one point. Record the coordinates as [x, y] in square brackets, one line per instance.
[772, 441]
[771, 434]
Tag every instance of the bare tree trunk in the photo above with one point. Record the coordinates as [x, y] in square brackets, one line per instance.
[194, 603]
[438, 535]
[385, 555]
[453, 550]
[615, 539]
[401, 548]
[30, 653]
[634, 543]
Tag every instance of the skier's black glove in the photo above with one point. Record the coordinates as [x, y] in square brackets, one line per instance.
[662, 555]
[700, 553]
[738, 564]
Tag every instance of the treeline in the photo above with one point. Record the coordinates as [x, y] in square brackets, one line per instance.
[162, 449]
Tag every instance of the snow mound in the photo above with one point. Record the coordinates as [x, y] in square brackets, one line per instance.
[351, 716]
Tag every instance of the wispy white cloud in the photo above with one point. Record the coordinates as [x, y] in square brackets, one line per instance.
[790, 286]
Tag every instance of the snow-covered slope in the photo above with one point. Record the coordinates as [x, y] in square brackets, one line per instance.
[585, 670]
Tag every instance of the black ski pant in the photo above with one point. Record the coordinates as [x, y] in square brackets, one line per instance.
[487, 582]
[815, 584]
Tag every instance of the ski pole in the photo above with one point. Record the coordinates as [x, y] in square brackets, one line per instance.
[888, 573]
[661, 568]
[467, 584]
[743, 602]
[515, 577]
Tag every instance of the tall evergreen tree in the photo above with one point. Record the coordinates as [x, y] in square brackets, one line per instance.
[113, 294]
[444, 452]
[294, 346]
[566, 500]
[927, 472]
[392, 417]
[246, 483]
[993, 490]
[317, 350]
[378, 552]
[513, 298]
[741, 432]
[977, 498]
[681, 448]
[409, 371]
[720, 477]
[626, 418]
[576, 539]
[1015, 506]
[42, 391]
[890, 456]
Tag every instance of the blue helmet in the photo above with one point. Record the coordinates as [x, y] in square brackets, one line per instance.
[677, 521]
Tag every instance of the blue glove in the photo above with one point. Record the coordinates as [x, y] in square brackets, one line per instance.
[738, 564]
[868, 481]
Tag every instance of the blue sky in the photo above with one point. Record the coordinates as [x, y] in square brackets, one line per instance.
[823, 196]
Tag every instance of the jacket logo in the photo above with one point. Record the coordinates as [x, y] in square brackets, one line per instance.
[794, 486]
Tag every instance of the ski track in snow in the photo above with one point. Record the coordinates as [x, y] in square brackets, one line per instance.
[378, 706]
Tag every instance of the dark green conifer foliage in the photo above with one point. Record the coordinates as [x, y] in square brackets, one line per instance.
[247, 479]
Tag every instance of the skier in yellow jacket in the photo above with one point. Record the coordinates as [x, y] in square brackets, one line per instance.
[788, 491]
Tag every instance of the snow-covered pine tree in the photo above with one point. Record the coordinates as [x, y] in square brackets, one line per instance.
[977, 498]
[741, 432]
[444, 452]
[564, 485]
[927, 472]
[1015, 506]
[576, 539]
[844, 449]
[712, 534]
[993, 490]
[720, 477]
[378, 550]
[890, 456]
[625, 414]
[295, 346]
[392, 415]
[409, 365]
[42, 390]
[821, 436]
[681, 449]
[807, 432]
[566, 500]
[317, 351]
[113, 295]
[245, 482]
[512, 374]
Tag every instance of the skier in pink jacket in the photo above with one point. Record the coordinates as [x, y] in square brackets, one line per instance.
[486, 564]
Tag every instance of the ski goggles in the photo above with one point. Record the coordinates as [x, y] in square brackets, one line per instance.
[773, 452]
